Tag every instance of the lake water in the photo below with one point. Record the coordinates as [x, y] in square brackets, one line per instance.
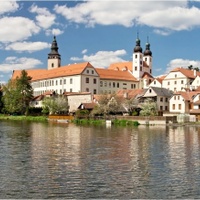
[40, 160]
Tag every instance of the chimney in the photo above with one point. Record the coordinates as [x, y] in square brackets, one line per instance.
[126, 95]
[195, 72]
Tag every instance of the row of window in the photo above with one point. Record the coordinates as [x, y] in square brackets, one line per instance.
[87, 80]
[162, 108]
[107, 92]
[136, 56]
[88, 71]
[56, 91]
[52, 83]
[59, 82]
[62, 91]
[94, 90]
[176, 97]
[141, 69]
[162, 99]
[176, 82]
[114, 84]
[174, 107]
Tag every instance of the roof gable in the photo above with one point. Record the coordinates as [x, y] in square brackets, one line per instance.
[186, 72]
[147, 75]
[121, 66]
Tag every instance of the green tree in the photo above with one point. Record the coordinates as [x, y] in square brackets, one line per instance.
[131, 105]
[149, 108]
[17, 94]
[55, 105]
[190, 67]
[107, 104]
[11, 98]
[25, 90]
[113, 106]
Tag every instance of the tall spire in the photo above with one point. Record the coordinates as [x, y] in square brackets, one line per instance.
[54, 60]
[147, 51]
[54, 48]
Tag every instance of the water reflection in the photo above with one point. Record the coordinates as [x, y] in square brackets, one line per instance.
[69, 161]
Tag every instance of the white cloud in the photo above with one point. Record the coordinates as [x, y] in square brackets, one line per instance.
[167, 15]
[180, 18]
[102, 59]
[14, 63]
[162, 32]
[44, 18]
[27, 46]
[181, 63]
[8, 6]
[16, 28]
[84, 51]
[76, 59]
[54, 31]
[158, 69]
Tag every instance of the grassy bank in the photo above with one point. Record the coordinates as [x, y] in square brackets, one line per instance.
[124, 122]
[75, 121]
[100, 122]
[88, 122]
[24, 118]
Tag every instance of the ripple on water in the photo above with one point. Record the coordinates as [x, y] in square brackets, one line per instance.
[54, 161]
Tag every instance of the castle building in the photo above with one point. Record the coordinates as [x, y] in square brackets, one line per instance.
[83, 77]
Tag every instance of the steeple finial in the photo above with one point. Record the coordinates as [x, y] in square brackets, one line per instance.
[138, 48]
[137, 34]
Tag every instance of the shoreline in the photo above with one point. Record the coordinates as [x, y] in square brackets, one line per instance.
[46, 119]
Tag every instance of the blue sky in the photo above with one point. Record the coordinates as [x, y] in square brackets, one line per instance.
[100, 32]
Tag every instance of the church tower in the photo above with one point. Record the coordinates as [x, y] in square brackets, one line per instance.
[137, 67]
[54, 59]
[148, 58]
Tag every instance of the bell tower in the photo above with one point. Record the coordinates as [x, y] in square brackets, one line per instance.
[148, 57]
[54, 59]
[137, 68]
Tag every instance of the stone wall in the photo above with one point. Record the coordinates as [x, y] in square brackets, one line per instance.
[150, 120]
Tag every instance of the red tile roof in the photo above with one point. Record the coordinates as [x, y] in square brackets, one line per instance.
[115, 75]
[87, 105]
[160, 78]
[76, 93]
[132, 93]
[188, 96]
[187, 72]
[147, 75]
[40, 74]
[121, 66]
